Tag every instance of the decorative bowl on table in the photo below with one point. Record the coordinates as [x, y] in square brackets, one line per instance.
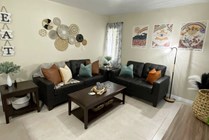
[18, 103]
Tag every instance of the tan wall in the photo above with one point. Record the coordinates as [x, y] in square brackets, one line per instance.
[31, 49]
[188, 62]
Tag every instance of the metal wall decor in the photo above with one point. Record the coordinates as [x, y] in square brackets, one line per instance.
[5, 33]
[62, 34]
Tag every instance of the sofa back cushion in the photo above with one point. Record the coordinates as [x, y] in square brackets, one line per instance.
[137, 69]
[74, 65]
[149, 66]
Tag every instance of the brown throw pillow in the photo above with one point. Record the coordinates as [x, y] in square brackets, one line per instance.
[52, 74]
[95, 67]
[153, 76]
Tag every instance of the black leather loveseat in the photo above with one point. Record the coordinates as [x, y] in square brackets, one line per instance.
[139, 87]
[52, 97]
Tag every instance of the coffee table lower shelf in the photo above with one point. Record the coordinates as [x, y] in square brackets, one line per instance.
[93, 115]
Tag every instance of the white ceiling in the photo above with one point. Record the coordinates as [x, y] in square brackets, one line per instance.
[112, 7]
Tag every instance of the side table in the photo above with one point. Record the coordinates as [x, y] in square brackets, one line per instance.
[22, 89]
[107, 72]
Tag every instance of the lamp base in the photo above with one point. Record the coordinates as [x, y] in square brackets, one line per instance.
[170, 100]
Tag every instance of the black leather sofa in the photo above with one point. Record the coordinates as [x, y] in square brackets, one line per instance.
[52, 97]
[139, 87]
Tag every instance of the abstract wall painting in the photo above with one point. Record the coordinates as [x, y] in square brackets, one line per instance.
[192, 35]
[161, 37]
[139, 38]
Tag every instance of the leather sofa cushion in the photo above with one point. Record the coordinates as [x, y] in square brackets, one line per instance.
[149, 66]
[74, 65]
[68, 88]
[135, 84]
[138, 68]
[88, 81]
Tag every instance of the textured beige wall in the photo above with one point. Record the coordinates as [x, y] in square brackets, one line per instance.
[31, 49]
[188, 62]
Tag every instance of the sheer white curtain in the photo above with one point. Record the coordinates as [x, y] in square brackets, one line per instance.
[113, 42]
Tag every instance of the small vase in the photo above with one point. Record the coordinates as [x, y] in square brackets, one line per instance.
[9, 80]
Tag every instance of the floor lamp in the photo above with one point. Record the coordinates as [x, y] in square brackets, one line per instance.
[169, 99]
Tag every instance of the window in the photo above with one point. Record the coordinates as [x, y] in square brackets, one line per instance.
[113, 42]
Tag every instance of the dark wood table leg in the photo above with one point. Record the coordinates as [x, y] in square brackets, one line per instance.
[123, 98]
[37, 101]
[86, 118]
[69, 106]
[7, 118]
[5, 108]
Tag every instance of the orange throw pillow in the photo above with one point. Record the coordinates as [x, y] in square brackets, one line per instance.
[153, 76]
[52, 74]
[95, 67]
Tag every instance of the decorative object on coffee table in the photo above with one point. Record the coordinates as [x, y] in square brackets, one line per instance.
[7, 68]
[99, 88]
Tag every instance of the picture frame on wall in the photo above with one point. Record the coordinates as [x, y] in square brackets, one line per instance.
[192, 35]
[161, 37]
[139, 37]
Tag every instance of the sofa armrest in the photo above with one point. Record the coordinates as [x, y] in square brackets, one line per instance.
[46, 89]
[114, 73]
[160, 89]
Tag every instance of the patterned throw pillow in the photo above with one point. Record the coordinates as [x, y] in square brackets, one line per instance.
[127, 71]
[66, 74]
[153, 76]
[52, 74]
[85, 71]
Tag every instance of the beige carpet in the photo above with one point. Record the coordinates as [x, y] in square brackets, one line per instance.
[136, 120]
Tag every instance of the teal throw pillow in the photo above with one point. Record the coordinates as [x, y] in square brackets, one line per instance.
[127, 71]
[85, 71]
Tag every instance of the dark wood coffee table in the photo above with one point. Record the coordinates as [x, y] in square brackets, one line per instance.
[87, 102]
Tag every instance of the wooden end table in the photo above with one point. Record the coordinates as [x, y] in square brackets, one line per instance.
[86, 102]
[22, 89]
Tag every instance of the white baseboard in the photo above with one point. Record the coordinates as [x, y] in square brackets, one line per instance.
[181, 99]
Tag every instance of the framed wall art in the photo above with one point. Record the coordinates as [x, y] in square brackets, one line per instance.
[192, 35]
[139, 38]
[161, 37]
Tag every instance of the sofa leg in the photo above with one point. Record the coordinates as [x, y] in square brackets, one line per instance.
[154, 104]
[50, 107]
